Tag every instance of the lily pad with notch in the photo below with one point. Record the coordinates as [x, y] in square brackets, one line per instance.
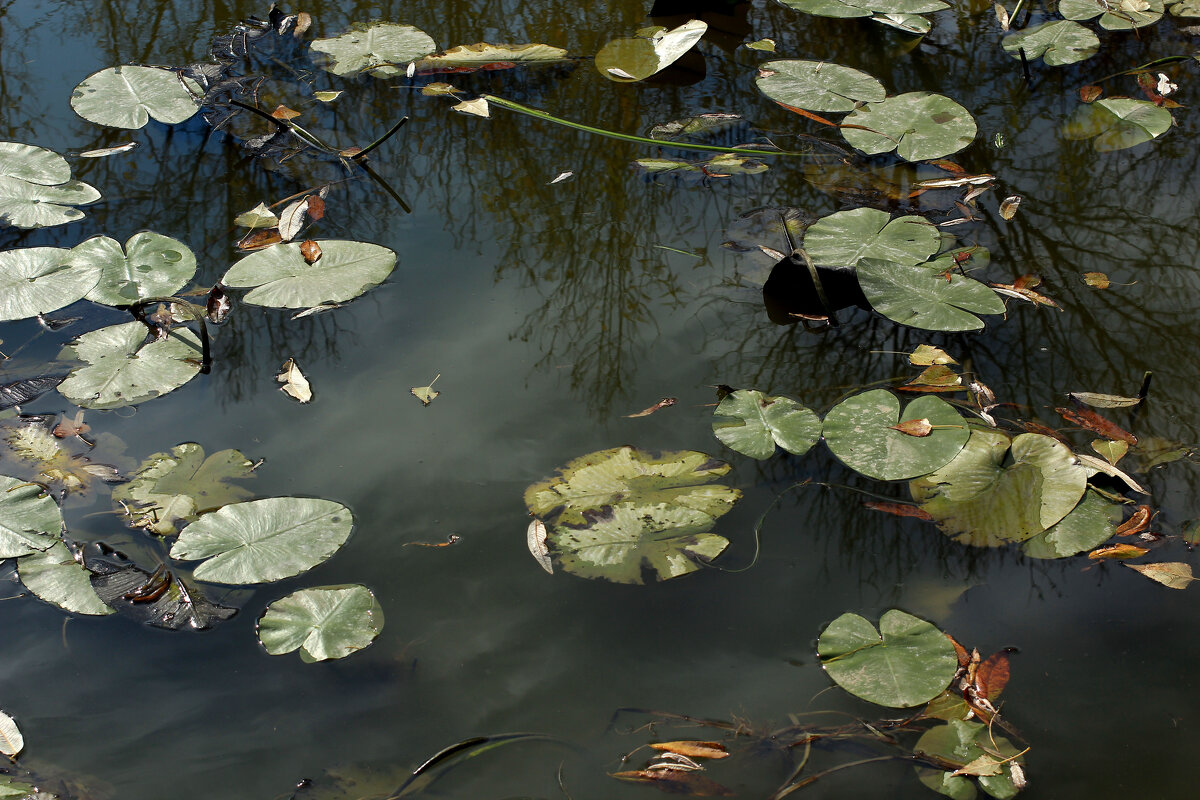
[961, 742]
[56, 577]
[931, 296]
[753, 424]
[846, 237]
[817, 85]
[861, 432]
[650, 52]
[382, 49]
[917, 125]
[260, 541]
[1120, 15]
[129, 96]
[150, 265]
[905, 663]
[323, 622]
[30, 520]
[1118, 123]
[989, 495]
[38, 280]
[1088, 525]
[280, 277]
[1057, 43]
[36, 190]
[122, 369]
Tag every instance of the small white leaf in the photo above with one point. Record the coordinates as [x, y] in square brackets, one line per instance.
[11, 741]
[562, 176]
[1165, 87]
[327, 97]
[123, 148]
[294, 383]
[1109, 469]
[535, 537]
[258, 217]
[1002, 16]
[478, 107]
[292, 219]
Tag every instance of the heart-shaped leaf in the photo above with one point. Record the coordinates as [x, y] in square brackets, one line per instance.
[128, 96]
[32, 205]
[846, 237]
[30, 520]
[1059, 42]
[861, 432]
[1089, 524]
[1120, 15]
[906, 662]
[32, 164]
[917, 125]
[931, 296]
[1117, 123]
[323, 622]
[38, 280]
[264, 540]
[752, 424]
[282, 278]
[817, 85]
[628, 60]
[961, 743]
[122, 369]
[150, 265]
[384, 49]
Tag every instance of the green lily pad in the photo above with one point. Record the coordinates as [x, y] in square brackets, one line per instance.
[11, 740]
[122, 369]
[627, 543]
[846, 237]
[905, 663]
[961, 742]
[281, 278]
[11, 787]
[1090, 524]
[628, 60]
[724, 165]
[914, 24]
[753, 424]
[177, 487]
[384, 49]
[1119, 15]
[817, 85]
[864, 8]
[1185, 8]
[323, 622]
[25, 162]
[127, 97]
[917, 125]
[626, 474]
[694, 126]
[38, 280]
[30, 520]
[984, 499]
[482, 55]
[1057, 43]
[929, 296]
[859, 431]
[1117, 123]
[56, 577]
[31, 205]
[150, 265]
[264, 540]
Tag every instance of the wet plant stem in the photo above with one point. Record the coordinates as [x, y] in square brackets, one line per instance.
[625, 137]
[814, 778]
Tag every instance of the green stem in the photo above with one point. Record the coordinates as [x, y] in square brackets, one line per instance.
[361, 154]
[625, 137]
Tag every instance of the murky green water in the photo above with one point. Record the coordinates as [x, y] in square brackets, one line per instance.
[551, 311]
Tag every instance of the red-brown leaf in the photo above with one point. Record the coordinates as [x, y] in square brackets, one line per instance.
[1097, 424]
[316, 207]
[899, 509]
[1137, 523]
[311, 251]
[257, 240]
[693, 749]
[992, 675]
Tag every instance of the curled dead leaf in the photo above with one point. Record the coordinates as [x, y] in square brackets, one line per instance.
[535, 538]
[1137, 522]
[666, 402]
[1090, 93]
[311, 251]
[1009, 206]
[295, 385]
[899, 509]
[1123, 550]
[1096, 280]
[693, 749]
[914, 427]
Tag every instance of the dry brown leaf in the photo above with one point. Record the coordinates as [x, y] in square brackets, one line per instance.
[914, 427]
[257, 240]
[295, 385]
[927, 355]
[535, 538]
[677, 781]
[693, 749]
[1123, 550]
[937, 375]
[1096, 280]
[68, 427]
[311, 251]
[899, 509]
[1172, 574]
[666, 402]
[1096, 424]
[992, 675]
[285, 113]
[964, 658]
[1009, 206]
[1138, 522]
[292, 219]
[1090, 93]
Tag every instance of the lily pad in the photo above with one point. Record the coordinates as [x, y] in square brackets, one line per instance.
[323, 622]
[1117, 123]
[176, 487]
[56, 577]
[861, 432]
[905, 663]
[485, 56]
[960, 742]
[282, 278]
[38, 280]
[1119, 15]
[846, 237]
[30, 520]
[626, 474]
[985, 499]
[1057, 43]
[31, 205]
[122, 369]
[384, 49]
[864, 8]
[264, 540]
[11, 740]
[128, 97]
[150, 265]
[32, 164]
[628, 60]
[914, 24]
[917, 125]
[929, 296]
[753, 424]
[817, 85]
[1089, 524]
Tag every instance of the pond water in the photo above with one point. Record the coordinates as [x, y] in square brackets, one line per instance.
[552, 311]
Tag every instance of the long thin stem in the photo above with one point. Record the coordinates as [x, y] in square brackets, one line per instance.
[625, 137]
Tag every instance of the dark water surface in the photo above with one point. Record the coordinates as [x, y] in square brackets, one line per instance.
[552, 311]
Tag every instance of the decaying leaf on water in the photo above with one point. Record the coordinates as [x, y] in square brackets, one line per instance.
[1108, 469]
[675, 779]
[308, 312]
[68, 427]
[11, 740]
[1097, 400]
[991, 676]
[1009, 206]
[899, 509]
[1002, 16]
[1137, 522]
[693, 749]
[311, 251]
[927, 355]
[294, 383]
[1172, 574]
[1095, 423]
[1090, 93]
[478, 107]
[535, 537]
[666, 402]
[291, 219]
[439, 89]
[1115, 551]
[426, 394]
[258, 217]
[767, 45]
[983, 766]
[1111, 451]
[1020, 290]
[108, 151]
[1191, 532]
[26, 389]
[282, 112]
[1096, 280]
[327, 97]
[936, 378]
[218, 306]
[914, 427]
[259, 239]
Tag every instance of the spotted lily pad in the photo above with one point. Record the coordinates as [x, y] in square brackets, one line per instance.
[753, 424]
[323, 622]
[1057, 43]
[906, 662]
[281, 277]
[864, 8]
[1117, 123]
[626, 515]
[931, 296]
[917, 125]
[844, 238]
[38, 280]
[129, 96]
[36, 189]
[150, 265]
[122, 369]
[988, 496]
[383, 49]
[861, 432]
[1118, 15]
[817, 85]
